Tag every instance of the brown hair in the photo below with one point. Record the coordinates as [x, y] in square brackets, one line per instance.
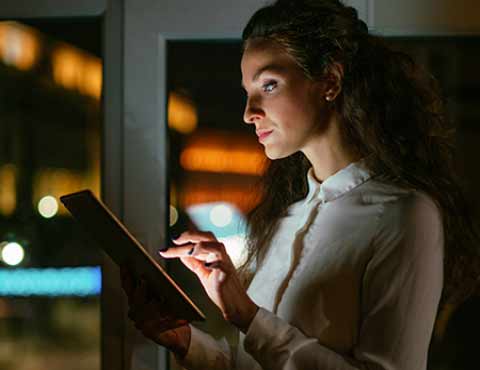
[391, 112]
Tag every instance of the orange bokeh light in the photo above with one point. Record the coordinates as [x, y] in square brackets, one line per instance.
[19, 45]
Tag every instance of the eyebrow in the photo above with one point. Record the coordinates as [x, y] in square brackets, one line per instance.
[276, 68]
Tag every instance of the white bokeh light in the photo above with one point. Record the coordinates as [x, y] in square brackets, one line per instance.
[48, 206]
[13, 50]
[12, 254]
[221, 215]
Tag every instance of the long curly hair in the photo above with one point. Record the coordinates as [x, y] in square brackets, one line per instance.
[392, 112]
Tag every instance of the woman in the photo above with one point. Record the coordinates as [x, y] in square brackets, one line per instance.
[360, 219]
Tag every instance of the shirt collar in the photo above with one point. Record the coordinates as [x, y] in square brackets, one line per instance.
[337, 184]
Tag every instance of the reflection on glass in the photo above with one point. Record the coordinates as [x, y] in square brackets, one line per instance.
[50, 279]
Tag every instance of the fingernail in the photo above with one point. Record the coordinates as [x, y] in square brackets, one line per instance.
[190, 252]
[163, 249]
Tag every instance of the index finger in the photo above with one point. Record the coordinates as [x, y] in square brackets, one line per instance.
[182, 251]
[194, 237]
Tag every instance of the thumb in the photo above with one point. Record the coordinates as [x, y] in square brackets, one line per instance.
[196, 266]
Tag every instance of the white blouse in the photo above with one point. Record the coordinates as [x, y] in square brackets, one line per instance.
[352, 280]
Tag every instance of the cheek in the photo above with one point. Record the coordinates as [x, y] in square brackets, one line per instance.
[298, 117]
[290, 111]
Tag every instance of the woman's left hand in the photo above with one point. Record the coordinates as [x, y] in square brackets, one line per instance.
[208, 259]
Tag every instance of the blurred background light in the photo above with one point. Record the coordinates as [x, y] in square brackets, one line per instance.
[203, 192]
[221, 215]
[19, 45]
[92, 77]
[69, 281]
[200, 214]
[12, 253]
[231, 234]
[48, 206]
[77, 70]
[173, 215]
[8, 194]
[60, 181]
[182, 113]
[221, 158]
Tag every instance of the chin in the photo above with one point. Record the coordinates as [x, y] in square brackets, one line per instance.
[273, 154]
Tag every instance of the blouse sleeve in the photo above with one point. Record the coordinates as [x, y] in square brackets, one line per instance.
[205, 352]
[401, 289]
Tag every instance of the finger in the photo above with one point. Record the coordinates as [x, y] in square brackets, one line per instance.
[210, 251]
[205, 251]
[170, 325]
[204, 270]
[190, 236]
[196, 266]
[219, 265]
[176, 252]
[219, 270]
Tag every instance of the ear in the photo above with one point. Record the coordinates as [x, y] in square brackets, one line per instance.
[333, 80]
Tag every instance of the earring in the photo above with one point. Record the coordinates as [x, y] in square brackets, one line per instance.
[328, 97]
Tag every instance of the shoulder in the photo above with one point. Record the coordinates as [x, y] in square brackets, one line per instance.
[409, 236]
[410, 219]
[396, 206]
[400, 211]
[398, 201]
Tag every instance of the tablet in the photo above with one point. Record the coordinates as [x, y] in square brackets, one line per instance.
[99, 222]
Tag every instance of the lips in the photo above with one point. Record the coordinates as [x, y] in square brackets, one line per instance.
[262, 134]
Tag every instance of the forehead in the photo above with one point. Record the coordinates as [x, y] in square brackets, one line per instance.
[260, 53]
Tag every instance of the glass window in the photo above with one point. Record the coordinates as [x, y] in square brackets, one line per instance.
[50, 121]
[215, 158]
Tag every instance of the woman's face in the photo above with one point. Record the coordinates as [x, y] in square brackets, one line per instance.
[288, 110]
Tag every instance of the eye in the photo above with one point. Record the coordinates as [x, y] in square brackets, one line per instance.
[269, 86]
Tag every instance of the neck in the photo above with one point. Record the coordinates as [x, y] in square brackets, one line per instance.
[327, 154]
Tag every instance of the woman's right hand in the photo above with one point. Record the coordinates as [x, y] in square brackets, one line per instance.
[151, 318]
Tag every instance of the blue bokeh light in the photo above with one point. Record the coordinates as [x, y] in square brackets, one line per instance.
[201, 216]
[52, 282]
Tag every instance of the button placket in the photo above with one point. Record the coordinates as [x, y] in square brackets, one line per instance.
[311, 217]
[299, 250]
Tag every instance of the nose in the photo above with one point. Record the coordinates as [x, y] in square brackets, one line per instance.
[253, 112]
